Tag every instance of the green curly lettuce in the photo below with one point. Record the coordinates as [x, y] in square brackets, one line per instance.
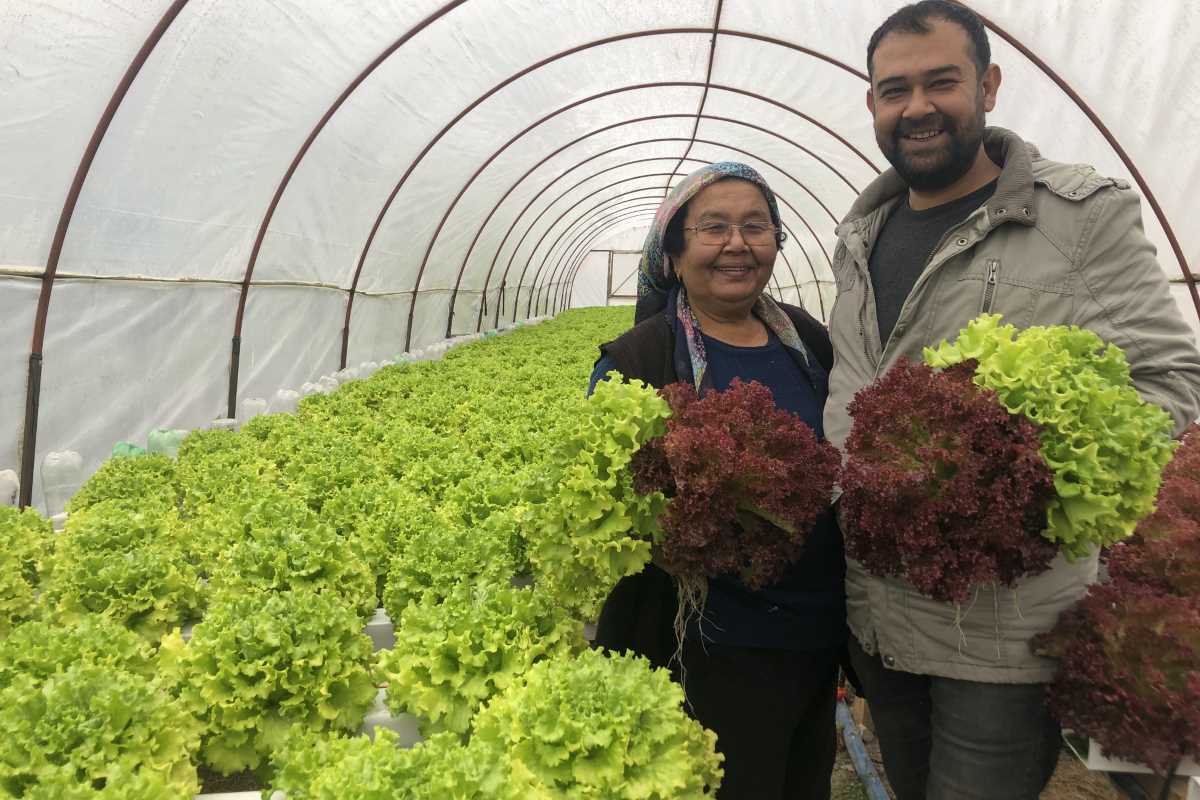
[596, 726]
[1106, 446]
[324, 767]
[276, 542]
[127, 564]
[40, 649]
[91, 725]
[451, 656]
[25, 547]
[261, 662]
[144, 480]
[435, 559]
[591, 528]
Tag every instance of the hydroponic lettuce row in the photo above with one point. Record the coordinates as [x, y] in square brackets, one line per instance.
[943, 487]
[243, 530]
[745, 482]
[1106, 446]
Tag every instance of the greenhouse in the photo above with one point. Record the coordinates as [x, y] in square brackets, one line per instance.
[305, 490]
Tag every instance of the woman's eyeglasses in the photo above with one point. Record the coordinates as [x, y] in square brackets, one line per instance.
[753, 233]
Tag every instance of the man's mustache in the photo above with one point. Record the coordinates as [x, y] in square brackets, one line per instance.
[932, 121]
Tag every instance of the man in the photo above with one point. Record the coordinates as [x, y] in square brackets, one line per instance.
[970, 220]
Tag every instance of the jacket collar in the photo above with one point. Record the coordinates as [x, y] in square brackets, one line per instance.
[1012, 201]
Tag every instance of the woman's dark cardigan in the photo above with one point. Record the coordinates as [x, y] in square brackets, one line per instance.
[639, 614]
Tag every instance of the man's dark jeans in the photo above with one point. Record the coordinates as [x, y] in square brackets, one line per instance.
[946, 739]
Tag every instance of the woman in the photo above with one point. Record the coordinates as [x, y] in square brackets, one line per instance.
[761, 669]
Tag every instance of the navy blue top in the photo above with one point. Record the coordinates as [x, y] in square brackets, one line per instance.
[806, 610]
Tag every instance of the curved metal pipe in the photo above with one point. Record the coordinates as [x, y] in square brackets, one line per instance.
[33, 388]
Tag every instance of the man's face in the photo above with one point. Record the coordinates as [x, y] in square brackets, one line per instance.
[929, 104]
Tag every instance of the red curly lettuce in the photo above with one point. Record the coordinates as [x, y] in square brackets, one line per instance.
[1128, 673]
[1164, 552]
[943, 487]
[746, 482]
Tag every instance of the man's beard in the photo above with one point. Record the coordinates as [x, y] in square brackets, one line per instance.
[935, 169]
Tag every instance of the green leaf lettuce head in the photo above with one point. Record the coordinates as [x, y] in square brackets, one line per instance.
[1106, 446]
[439, 556]
[452, 655]
[591, 528]
[25, 547]
[127, 564]
[40, 649]
[90, 725]
[261, 662]
[145, 480]
[279, 543]
[595, 726]
[329, 767]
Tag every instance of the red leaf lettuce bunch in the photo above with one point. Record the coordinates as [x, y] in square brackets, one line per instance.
[943, 487]
[746, 481]
[1129, 652]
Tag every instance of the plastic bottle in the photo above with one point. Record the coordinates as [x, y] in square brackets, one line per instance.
[10, 486]
[62, 475]
[285, 401]
[165, 441]
[251, 408]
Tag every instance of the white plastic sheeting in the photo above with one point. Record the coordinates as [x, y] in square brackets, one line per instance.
[498, 146]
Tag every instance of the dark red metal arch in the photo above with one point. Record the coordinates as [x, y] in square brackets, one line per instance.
[571, 252]
[572, 260]
[564, 264]
[33, 388]
[621, 196]
[734, 90]
[584, 214]
[500, 201]
[712, 54]
[782, 171]
[1109, 137]
[236, 347]
[560, 261]
[539, 65]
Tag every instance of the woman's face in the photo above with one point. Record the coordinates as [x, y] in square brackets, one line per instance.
[733, 274]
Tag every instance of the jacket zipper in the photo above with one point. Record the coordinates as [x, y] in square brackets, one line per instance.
[989, 286]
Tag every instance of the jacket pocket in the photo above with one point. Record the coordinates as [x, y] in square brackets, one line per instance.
[991, 282]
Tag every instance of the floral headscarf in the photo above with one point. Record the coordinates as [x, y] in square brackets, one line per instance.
[656, 277]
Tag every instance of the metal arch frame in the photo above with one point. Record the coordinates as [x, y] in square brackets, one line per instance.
[562, 148]
[504, 276]
[584, 247]
[562, 267]
[571, 251]
[579, 254]
[712, 57]
[1109, 137]
[33, 388]
[783, 172]
[28, 444]
[532, 68]
[236, 345]
[651, 201]
[783, 106]
[533, 251]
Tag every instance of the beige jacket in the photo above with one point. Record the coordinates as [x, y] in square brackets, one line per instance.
[1056, 244]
